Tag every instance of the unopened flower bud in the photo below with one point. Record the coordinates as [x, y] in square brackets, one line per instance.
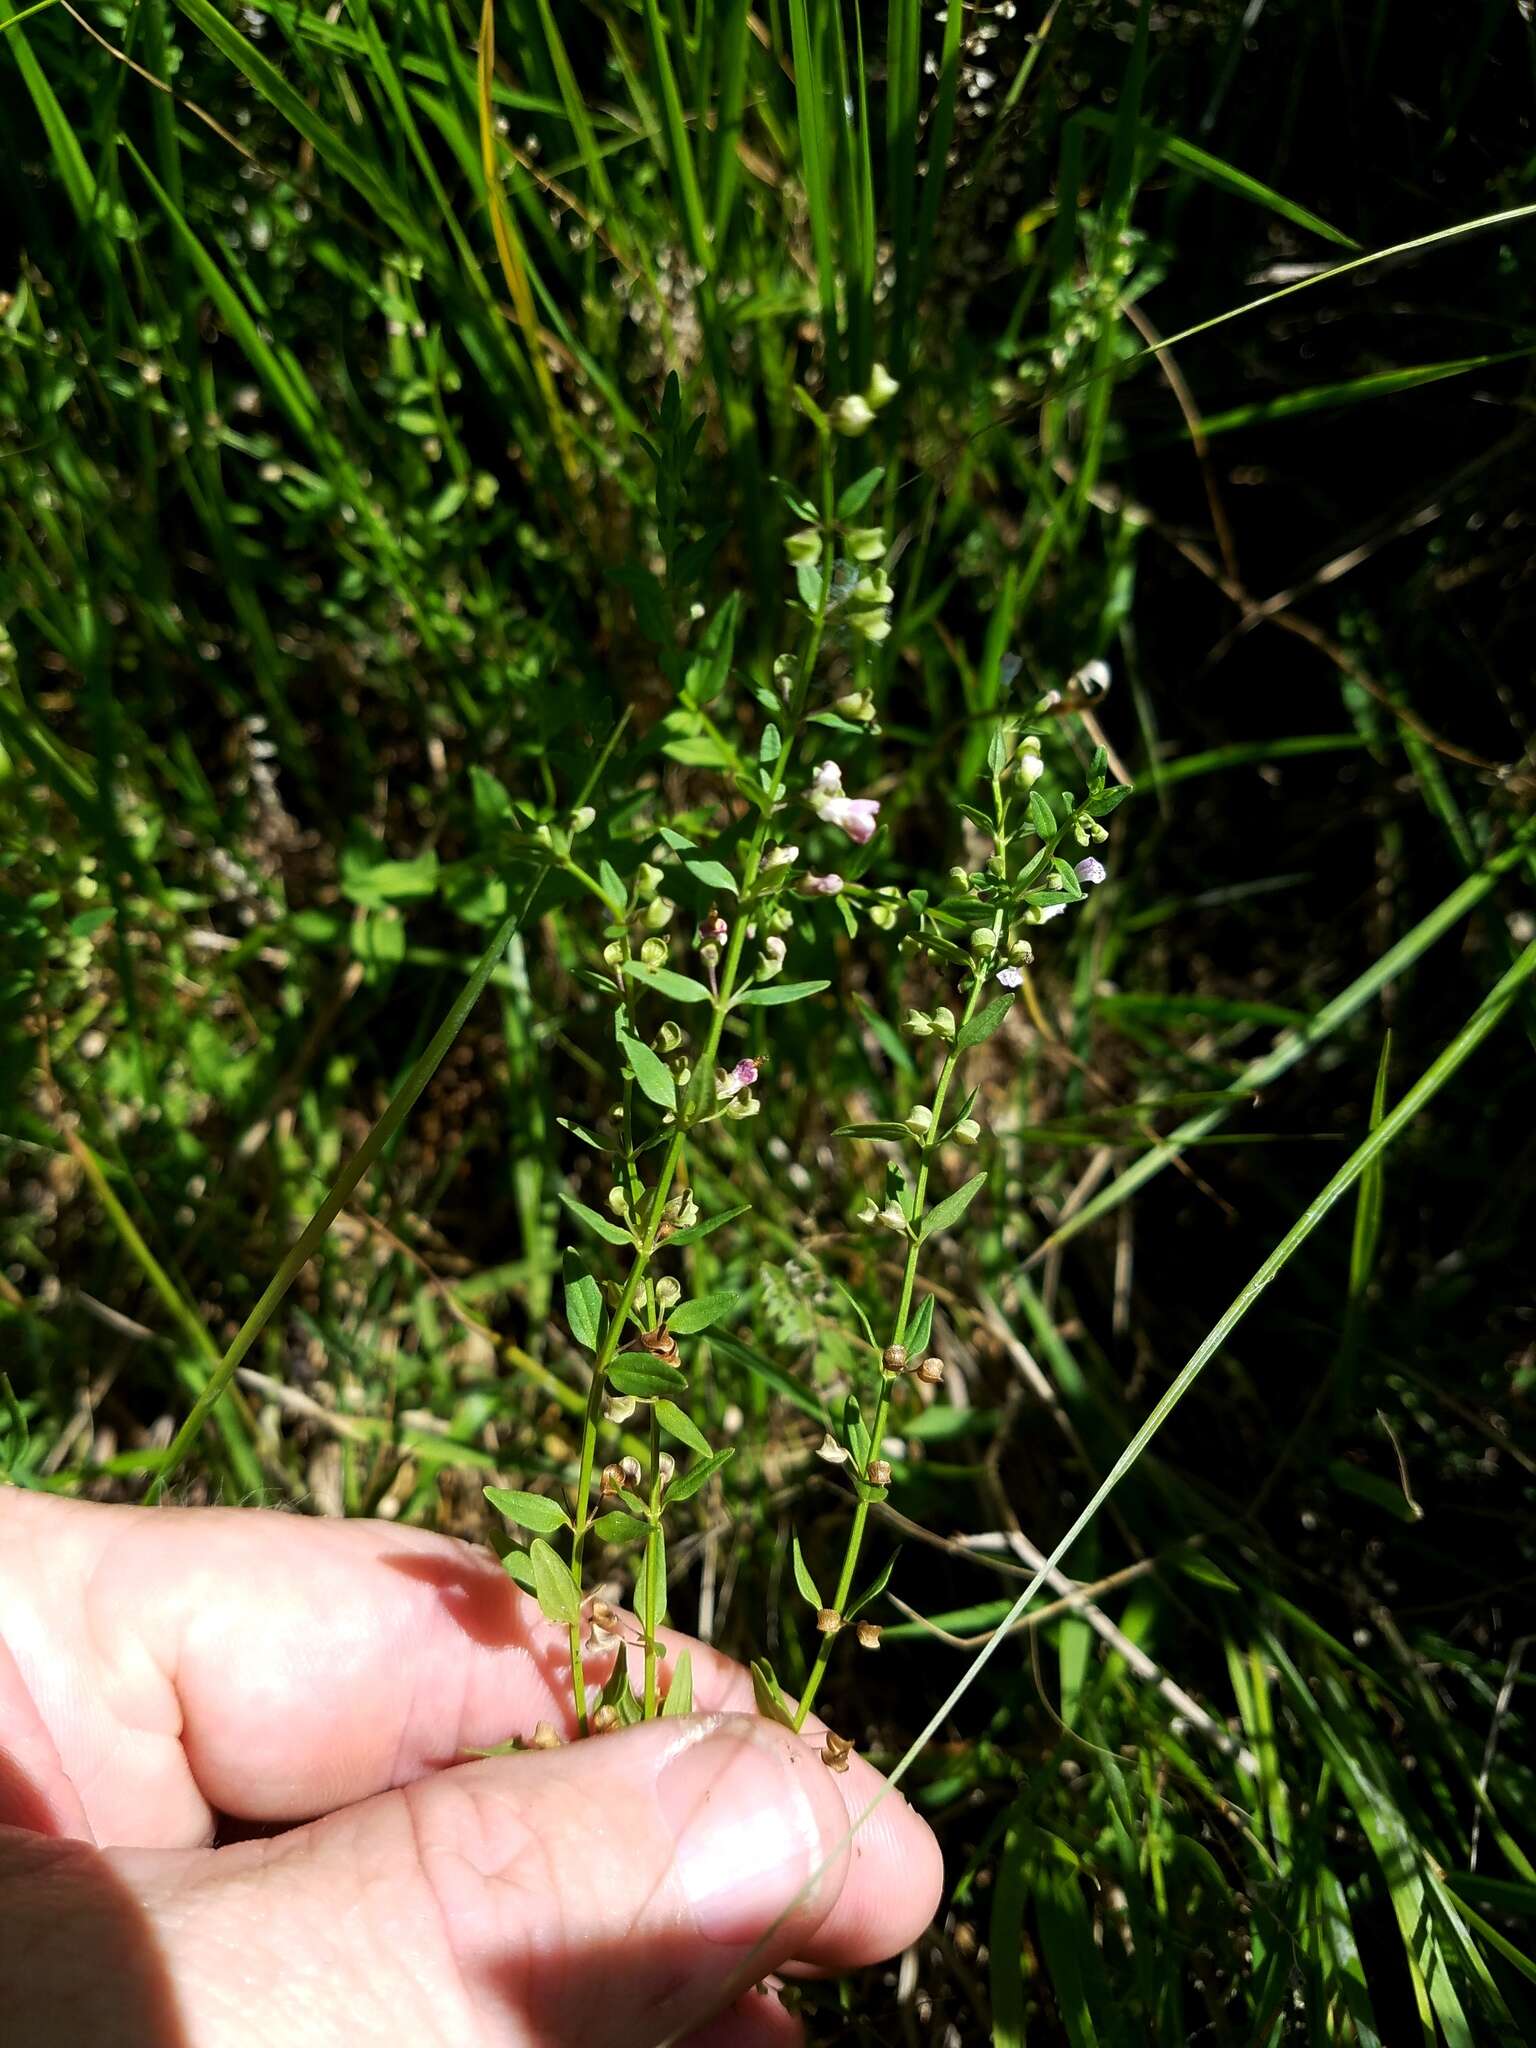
[878, 1472]
[829, 1621]
[605, 1720]
[614, 953]
[824, 885]
[780, 857]
[803, 546]
[852, 416]
[831, 1450]
[894, 1358]
[960, 880]
[944, 1023]
[872, 626]
[653, 953]
[868, 1633]
[919, 1025]
[967, 1131]
[1022, 953]
[648, 880]
[669, 1293]
[583, 816]
[931, 1371]
[618, 1201]
[983, 941]
[543, 836]
[874, 588]
[920, 1121]
[1029, 768]
[857, 704]
[865, 543]
[882, 386]
[773, 958]
[658, 914]
[618, 1407]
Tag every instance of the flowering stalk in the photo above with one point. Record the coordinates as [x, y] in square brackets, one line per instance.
[887, 1380]
[689, 1111]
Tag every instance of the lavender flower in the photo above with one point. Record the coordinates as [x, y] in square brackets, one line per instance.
[742, 1075]
[1091, 872]
[1010, 977]
[824, 885]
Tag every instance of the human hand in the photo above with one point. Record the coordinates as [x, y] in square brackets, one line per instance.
[169, 1667]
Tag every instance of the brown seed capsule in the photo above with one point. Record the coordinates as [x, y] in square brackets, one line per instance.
[894, 1358]
[604, 1615]
[829, 1621]
[605, 1720]
[613, 1479]
[931, 1371]
[629, 1472]
[661, 1344]
[868, 1633]
[836, 1751]
[878, 1472]
[545, 1736]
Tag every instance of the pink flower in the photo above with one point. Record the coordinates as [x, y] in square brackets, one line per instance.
[742, 1075]
[824, 885]
[855, 815]
[1090, 872]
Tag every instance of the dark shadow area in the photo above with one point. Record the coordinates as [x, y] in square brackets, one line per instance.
[80, 1961]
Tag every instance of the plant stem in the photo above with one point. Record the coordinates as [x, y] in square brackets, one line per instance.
[887, 1380]
[655, 1567]
[703, 1071]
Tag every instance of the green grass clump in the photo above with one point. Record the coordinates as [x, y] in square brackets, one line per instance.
[351, 536]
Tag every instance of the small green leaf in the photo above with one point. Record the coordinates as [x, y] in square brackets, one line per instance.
[616, 1527]
[695, 1231]
[583, 1304]
[90, 921]
[851, 502]
[683, 1427]
[678, 841]
[920, 1329]
[651, 1071]
[517, 1568]
[876, 1586]
[771, 1703]
[646, 1378]
[534, 1511]
[604, 1226]
[687, 1484]
[770, 746]
[766, 994]
[810, 1593]
[553, 1586]
[889, 1132]
[679, 1699]
[1041, 817]
[953, 1207]
[855, 1435]
[610, 882]
[682, 988]
[983, 1024]
[692, 1316]
[712, 874]
[1111, 800]
[857, 1307]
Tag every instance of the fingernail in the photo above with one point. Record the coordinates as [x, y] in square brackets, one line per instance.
[747, 1834]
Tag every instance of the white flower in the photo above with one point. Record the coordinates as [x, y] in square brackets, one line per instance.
[852, 416]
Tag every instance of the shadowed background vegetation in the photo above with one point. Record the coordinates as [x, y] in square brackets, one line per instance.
[332, 342]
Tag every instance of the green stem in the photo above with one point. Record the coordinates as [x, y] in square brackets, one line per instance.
[703, 1073]
[887, 1380]
[654, 1566]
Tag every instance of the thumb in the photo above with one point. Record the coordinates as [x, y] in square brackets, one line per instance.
[618, 1891]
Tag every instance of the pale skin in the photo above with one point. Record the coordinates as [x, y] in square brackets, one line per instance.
[167, 1672]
